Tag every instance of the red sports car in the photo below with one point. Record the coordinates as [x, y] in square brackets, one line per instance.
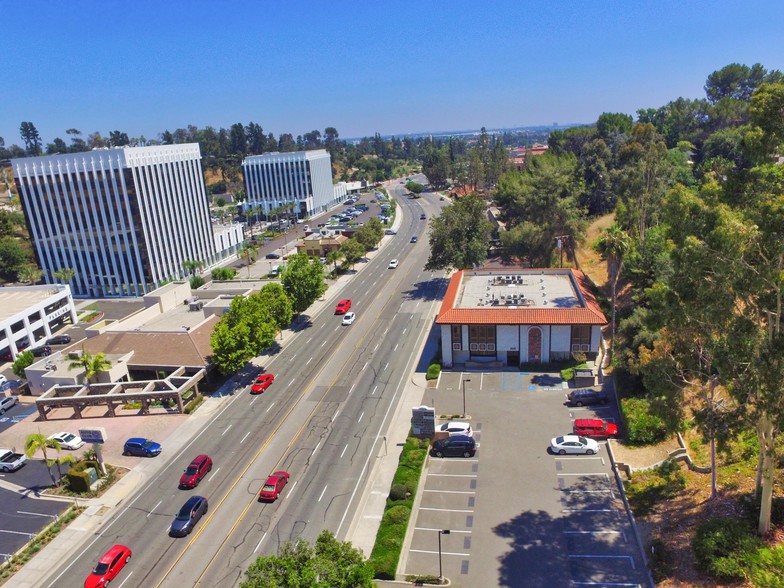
[343, 307]
[108, 567]
[262, 383]
[273, 486]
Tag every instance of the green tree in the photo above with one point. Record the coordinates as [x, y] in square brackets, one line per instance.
[352, 251]
[460, 236]
[230, 346]
[65, 274]
[31, 138]
[23, 361]
[36, 442]
[91, 364]
[613, 245]
[192, 266]
[12, 257]
[30, 274]
[224, 273]
[248, 251]
[334, 257]
[274, 298]
[303, 281]
[327, 564]
[370, 234]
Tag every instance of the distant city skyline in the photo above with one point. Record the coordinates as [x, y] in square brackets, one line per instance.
[396, 68]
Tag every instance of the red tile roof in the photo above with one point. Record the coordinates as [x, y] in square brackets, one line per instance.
[589, 314]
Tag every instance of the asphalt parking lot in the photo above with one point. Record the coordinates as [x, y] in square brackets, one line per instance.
[517, 515]
[23, 517]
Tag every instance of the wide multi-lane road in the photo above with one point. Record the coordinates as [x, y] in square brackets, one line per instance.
[322, 420]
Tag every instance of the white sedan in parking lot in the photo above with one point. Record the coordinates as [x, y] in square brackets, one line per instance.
[573, 444]
[67, 440]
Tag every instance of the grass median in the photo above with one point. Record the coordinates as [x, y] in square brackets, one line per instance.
[392, 531]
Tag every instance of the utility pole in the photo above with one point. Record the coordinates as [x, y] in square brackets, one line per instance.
[559, 241]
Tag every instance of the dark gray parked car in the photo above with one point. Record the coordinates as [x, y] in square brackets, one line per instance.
[189, 515]
[586, 396]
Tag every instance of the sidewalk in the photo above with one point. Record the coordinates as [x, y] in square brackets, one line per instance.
[100, 511]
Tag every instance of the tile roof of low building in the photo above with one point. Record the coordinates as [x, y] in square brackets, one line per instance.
[566, 298]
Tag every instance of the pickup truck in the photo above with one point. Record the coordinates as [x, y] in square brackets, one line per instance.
[10, 461]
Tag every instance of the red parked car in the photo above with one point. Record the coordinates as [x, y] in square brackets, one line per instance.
[596, 428]
[262, 383]
[273, 486]
[196, 471]
[108, 567]
[343, 307]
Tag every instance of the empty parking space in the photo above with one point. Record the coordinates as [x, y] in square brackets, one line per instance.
[22, 518]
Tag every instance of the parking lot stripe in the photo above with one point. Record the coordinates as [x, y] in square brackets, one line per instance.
[451, 491]
[17, 533]
[438, 529]
[581, 556]
[36, 514]
[445, 509]
[622, 533]
[604, 475]
[442, 553]
[611, 492]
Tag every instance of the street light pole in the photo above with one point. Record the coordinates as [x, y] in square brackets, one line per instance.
[440, 567]
[464, 404]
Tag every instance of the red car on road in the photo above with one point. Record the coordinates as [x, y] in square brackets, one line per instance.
[273, 486]
[343, 307]
[196, 471]
[262, 383]
[108, 566]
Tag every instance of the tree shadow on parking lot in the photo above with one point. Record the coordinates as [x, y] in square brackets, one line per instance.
[427, 290]
[546, 380]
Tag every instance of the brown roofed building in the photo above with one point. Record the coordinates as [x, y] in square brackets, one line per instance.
[518, 316]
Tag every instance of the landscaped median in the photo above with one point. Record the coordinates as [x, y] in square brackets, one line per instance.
[392, 531]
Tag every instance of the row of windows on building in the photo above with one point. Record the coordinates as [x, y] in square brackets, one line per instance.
[482, 338]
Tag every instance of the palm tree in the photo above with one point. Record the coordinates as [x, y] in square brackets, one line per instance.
[30, 274]
[36, 442]
[91, 364]
[613, 245]
[65, 274]
[248, 251]
[333, 257]
[192, 266]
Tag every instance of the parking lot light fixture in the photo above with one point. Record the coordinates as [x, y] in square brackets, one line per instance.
[464, 406]
[440, 568]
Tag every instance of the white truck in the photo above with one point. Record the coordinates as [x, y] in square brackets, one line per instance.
[10, 461]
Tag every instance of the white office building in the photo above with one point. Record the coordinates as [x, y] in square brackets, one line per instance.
[300, 178]
[123, 219]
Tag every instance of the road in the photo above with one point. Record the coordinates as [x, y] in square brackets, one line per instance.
[322, 420]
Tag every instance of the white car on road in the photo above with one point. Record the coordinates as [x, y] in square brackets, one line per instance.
[573, 444]
[348, 318]
[67, 440]
[392, 264]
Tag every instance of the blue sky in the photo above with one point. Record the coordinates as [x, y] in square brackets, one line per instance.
[392, 67]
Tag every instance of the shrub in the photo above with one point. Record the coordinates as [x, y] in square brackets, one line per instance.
[567, 373]
[224, 273]
[647, 489]
[642, 426]
[196, 282]
[397, 515]
[193, 404]
[660, 561]
[398, 492]
[725, 548]
[433, 371]
[77, 479]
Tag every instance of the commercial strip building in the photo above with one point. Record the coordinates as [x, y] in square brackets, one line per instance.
[510, 317]
[302, 179]
[30, 314]
[123, 219]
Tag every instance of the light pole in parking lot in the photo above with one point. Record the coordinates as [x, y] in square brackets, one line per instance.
[440, 567]
[464, 409]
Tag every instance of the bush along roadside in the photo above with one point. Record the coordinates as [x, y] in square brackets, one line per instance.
[392, 531]
[193, 404]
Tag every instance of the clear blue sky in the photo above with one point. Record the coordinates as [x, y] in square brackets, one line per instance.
[392, 67]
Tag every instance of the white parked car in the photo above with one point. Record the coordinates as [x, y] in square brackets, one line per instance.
[457, 428]
[392, 264]
[348, 318]
[7, 402]
[573, 444]
[67, 440]
[3, 379]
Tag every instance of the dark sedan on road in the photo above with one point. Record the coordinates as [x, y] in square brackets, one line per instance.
[59, 340]
[189, 515]
[141, 447]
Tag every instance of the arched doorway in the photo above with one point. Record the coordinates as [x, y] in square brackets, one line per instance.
[534, 345]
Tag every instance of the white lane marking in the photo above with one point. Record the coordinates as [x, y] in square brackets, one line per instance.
[337, 412]
[322, 493]
[404, 331]
[245, 437]
[395, 349]
[255, 398]
[364, 367]
[294, 485]
[270, 406]
[359, 420]
[386, 330]
[259, 543]
[126, 579]
[374, 389]
[213, 475]
[376, 347]
[226, 431]
[386, 365]
[323, 343]
[315, 448]
[153, 508]
[308, 362]
[350, 390]
[344, 451]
